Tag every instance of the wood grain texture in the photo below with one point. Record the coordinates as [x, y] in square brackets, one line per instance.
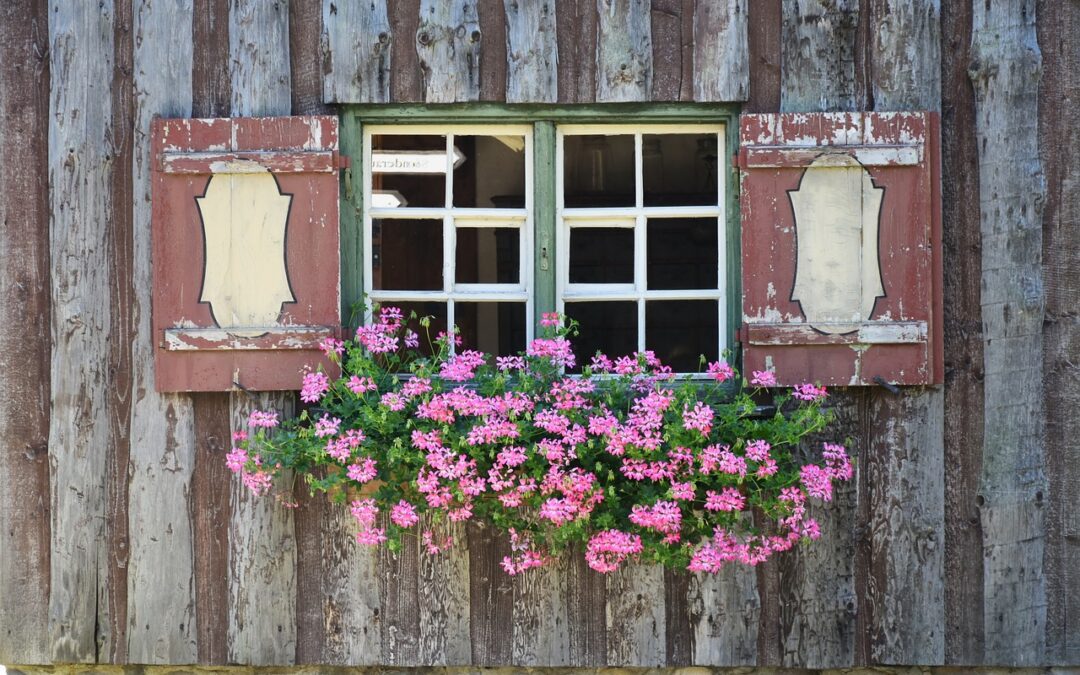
[491, 597]
[586, 601]
[679, 618]
[80, 177]
[531, 52]
[358, 51]
[24, 333]
[1005, 69]
[576, 26]
[905, 495]
[443, 594]
[725, 609]
[763, 28]
[262, 558]
[399, 597]
[494, 55]
[636, 627]
[259, 56]
[160, 570]
[963, 342]
[406, 78]
[818, 57]
[721, 52]
[307, 56]
[1059, 147]
[540, 621]
[448, 43]
[211, 93]
[262, 545]
[623, 51]
[672, 26]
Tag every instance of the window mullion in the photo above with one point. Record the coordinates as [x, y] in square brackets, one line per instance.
[640, 277]
[545, 168]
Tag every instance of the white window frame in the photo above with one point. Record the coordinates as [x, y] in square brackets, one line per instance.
[636, 217]
[452, 218]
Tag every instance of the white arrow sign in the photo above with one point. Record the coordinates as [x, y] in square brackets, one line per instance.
[387, 199]
[412, 161]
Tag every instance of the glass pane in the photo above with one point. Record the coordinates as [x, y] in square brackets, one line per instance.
[679, 169]
[488, 255]
[492, 327]
[408, 170]
[601, 255]
[598, 170]
[679, 331]
[609, 327]
[490, 172]
[426, 336]
[681, 253]
[406, 255]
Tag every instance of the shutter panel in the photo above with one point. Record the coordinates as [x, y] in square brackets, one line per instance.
[245, 250]
[841, 247]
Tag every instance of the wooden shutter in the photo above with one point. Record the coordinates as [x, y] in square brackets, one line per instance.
[841, 247]
[245, 250]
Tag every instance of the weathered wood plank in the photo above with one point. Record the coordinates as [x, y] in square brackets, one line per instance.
[531, 52]
[905, 468]
[160, 578]
[679, 618]
[763, 27]
[262, 559]
[540, 622]
[358, 51]
[399, 597]
[80, 175]
[586, 611]
[575, 22]
[636, 626]
[1059, 144]
[443, 593]
[818, 57]
[726, 612]
[262, 546]
[406, 78]
[623, 51]
[308, 56]
[211, 91]
[963, 343]
[448, 45]
[493, 56]
[672, 25]
[1005, 74]
[491, 597]
[259, 58]
[24, 333]
[721, 52]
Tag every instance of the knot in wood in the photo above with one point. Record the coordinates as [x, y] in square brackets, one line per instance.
[424, 38]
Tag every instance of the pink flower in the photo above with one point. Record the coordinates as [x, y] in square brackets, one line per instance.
[365, 511]
[557, 350]
[332, 346]
[238, 436]
[682, 491]
[550, 319]
[393, 401]
[607, 550]
[817, 482]
[315, 385]
[263, 418]
[700, 418]
[415, 386]
[372, 536]
[236, 459]
[808, 392]
[837, 464]
[505, 363]
[404, 514]
[377, 338]
[362, 472]
[327, 426]
[433, 547]
[664, 517]
[720, 371]
[360, 385]
[763, 378]
[601, 363]
[258, 482]
[462, 367]
[757, 451]
[412, 340]
[728, 499]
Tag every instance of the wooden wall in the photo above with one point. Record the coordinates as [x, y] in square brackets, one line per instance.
[123, 539]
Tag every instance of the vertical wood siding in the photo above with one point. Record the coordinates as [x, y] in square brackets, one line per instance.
[956, 544]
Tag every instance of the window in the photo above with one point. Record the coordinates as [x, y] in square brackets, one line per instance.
[625, 227]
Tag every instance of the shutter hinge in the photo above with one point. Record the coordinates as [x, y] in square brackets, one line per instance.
[342, 161]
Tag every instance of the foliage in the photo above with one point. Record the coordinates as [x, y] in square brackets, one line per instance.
[625, 458]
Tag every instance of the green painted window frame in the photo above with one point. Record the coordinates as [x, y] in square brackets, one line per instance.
[544, 119]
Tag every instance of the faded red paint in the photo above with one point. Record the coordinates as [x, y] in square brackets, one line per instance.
[301, 153]
[902, 341]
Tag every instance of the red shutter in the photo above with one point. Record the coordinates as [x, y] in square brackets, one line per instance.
[841, 247]
[245, 250]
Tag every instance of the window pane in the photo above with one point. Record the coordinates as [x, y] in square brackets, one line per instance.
[435, 310]
[408, 170]
[679, 331]
[598, 170]
[681, 253]
[406, 255]
[491, 173]
[492, 327]
[610, 327]
[679, 169]
[488, 255]
[601, 255]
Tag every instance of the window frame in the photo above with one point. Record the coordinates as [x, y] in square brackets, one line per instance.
[544, 215]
